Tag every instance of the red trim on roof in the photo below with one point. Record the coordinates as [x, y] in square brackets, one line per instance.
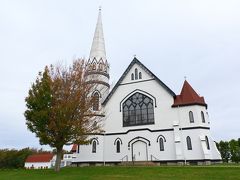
[188, 96]
[74, 148]
[40, 158]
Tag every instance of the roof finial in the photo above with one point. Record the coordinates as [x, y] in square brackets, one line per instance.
[100, 8]
[134, 55]
[185, 77]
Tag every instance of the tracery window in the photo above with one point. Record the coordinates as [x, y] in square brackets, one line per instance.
[189, 143]
[203, 117]
[95, 101]
[191, 118]
[161, 144]
[138, 110]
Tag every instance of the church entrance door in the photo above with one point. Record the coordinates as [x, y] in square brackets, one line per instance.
[139, 151]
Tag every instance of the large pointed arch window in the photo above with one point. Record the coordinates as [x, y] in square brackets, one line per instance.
[138, 109]
[96, 101]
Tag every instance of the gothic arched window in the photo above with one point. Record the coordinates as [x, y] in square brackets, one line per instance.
[138, 110]
[140, 75]
[191, 118]
[95, 101]
[94, 146]
[207, 142]
[161, 144]
[132, 76]
[136, 73]
[118, 146]
[189, 143]
[203, 117]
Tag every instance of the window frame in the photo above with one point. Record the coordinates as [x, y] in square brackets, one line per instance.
[161, 144]
[189, 143]
[203, 117]
[96, 102]
[207, 143]
[136, 73]
[132, 76]
[138, 109]
[191, 117]
[94, 146]
[118, 146]
[140, 75]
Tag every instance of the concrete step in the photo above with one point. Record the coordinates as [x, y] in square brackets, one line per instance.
[139, 163]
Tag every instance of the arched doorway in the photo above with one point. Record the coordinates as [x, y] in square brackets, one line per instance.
[139, 151]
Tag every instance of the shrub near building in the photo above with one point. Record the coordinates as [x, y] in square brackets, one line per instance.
[230, 150]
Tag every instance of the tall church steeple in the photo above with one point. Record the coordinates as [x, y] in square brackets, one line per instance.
[97, 65]
[98, 44]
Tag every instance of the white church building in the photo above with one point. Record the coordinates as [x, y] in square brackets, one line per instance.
[144, 120]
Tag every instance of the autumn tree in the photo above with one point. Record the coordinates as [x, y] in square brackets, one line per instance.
[59, 107]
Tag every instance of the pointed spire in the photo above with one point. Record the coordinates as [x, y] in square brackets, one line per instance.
[98, 44]
[188, 96]
[188, 93]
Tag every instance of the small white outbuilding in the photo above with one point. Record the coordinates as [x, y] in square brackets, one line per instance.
[40, 161]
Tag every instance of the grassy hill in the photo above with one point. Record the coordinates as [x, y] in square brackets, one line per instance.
[135, 173]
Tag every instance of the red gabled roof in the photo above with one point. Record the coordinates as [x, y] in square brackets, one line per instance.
[74, 148]
[40, 158]
[188, 96]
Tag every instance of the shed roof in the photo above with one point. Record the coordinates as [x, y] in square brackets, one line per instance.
[40, 157]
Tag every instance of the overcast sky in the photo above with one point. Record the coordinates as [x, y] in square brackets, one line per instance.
[173, 38]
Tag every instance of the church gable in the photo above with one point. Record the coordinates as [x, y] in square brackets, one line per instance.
[137, 72]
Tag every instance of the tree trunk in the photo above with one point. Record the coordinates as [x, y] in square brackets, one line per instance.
[58, 159]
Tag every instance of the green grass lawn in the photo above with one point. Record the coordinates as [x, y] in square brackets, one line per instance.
[136, 173]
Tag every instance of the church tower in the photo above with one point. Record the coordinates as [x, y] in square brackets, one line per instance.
[97, 65]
